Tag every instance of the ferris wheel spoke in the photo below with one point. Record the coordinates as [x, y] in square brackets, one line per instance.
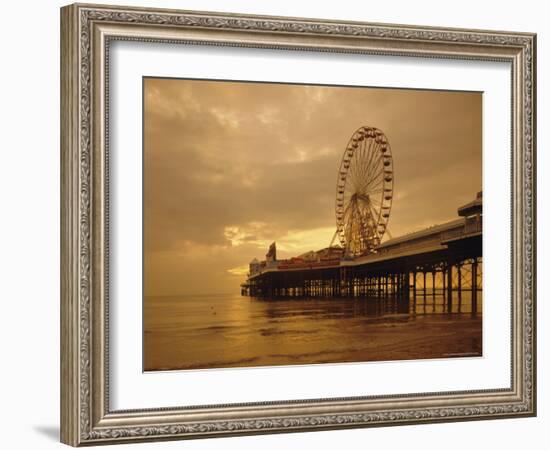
[374, 172]
[370, 147]
[375, 188]
[350, 209]
[347, 210]
[375, 207]
[366, 161]
[359, 168]
[349, 176]
[353, 185]
[373, 192]
[377, 215]
[370, 181]
[351, 168]
[375, 166]
[346, 214]
[348, 192]
[373, 154]
[375, 181]
[349, 185]
[375, 203]
[355, 171]
[358, 171]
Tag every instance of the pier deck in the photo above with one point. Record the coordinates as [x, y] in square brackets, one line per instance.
[442, 260]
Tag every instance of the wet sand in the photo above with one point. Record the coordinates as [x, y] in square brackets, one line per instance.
[204, 332]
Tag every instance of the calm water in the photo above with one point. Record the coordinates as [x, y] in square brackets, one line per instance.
[197, 332]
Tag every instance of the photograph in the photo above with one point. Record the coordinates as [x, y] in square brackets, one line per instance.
[295, 224]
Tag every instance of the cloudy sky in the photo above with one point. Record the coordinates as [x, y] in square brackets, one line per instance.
[230, 167]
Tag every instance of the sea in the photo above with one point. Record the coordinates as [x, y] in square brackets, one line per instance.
[191, 332]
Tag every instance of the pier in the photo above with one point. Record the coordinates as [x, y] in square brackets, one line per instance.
[442, 262]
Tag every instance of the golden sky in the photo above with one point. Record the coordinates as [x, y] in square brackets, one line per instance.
[230, 167]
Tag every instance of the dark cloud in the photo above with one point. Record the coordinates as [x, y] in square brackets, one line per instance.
[232, 166]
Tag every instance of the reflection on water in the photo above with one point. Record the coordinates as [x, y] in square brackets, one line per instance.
[197, 332]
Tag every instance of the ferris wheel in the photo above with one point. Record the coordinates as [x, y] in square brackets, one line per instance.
[364, 192]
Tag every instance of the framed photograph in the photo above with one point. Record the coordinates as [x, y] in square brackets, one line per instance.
[274, 224]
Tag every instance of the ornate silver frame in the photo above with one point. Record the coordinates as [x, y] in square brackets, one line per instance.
[86, 31]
